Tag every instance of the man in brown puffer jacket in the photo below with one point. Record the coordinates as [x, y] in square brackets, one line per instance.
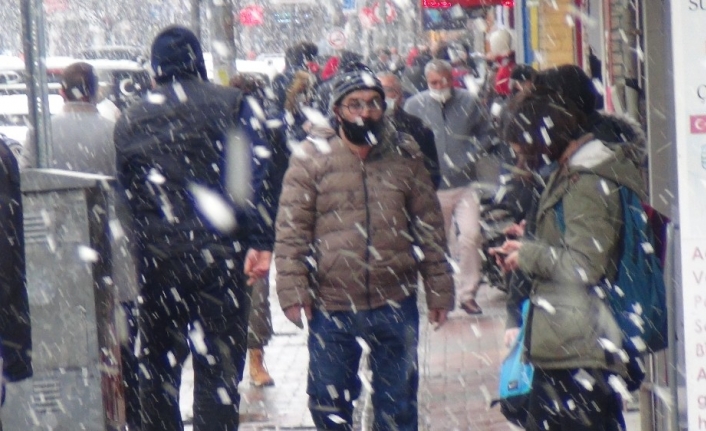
[358, 219]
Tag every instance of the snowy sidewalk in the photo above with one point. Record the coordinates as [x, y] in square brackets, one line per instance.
[458, 375]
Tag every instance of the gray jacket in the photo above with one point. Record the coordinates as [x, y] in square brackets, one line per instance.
[82, 141]
[461, 131]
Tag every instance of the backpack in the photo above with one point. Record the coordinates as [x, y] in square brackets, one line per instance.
[516, 376]
[637, 296]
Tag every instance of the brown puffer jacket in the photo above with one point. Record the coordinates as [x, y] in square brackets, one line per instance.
[352, 234]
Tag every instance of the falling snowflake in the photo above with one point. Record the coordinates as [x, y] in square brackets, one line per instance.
[197, 338]
[223, 396]
[585, 379]
[156, 98]
[87, 254]
[156, 177]
[315, 117]
[179, 92]
[214, 208]
[546, 305]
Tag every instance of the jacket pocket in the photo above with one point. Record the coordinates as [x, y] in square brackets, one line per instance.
[564, 330]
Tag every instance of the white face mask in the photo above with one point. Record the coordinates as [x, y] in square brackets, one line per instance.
[440, 96]
[390, 105]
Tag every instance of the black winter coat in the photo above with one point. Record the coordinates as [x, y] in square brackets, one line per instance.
[15, 329]
[174, 139]
[408, 123]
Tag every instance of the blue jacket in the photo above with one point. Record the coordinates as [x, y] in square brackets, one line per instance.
[175, 138]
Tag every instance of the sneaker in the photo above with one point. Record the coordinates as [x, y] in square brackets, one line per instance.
[471, 307]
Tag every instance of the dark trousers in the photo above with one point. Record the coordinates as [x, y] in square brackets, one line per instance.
[207, 303]
[334, 354]
[559, 402]
[129, 366]
[260, 325]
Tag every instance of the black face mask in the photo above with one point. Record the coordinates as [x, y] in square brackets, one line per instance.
[359, 134]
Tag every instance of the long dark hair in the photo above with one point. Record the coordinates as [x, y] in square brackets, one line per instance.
[543, 123]
[572, 83]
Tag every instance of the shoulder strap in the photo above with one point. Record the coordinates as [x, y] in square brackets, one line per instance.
[559, 211]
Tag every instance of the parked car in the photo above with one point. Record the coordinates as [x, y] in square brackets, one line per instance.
[116, 52]
[122, 81]
[14, 117]
[275, 60]
[10, 77]
[13, 69]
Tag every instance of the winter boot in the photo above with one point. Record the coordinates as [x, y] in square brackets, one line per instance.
[258, 373]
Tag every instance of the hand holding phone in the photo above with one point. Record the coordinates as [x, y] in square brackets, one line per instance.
[497, 251]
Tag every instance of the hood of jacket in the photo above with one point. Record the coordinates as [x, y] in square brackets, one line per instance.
[177, 54]
[595, 157]
[620, 130]
[612, 163]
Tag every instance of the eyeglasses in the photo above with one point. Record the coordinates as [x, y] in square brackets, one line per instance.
[357, 106]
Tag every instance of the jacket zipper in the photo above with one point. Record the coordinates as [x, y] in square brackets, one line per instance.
[367, 236]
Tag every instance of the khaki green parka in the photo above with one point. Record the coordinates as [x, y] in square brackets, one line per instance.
[568, 316]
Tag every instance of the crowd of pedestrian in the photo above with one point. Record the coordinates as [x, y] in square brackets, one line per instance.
[363, 185]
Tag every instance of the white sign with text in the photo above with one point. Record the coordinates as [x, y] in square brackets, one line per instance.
[689, 51]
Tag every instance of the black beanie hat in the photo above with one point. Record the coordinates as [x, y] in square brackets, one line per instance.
[354, 77]
[571, 82]
[176, 53]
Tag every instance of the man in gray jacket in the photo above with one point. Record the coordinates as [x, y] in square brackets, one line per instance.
[82, 139]
[461, 133]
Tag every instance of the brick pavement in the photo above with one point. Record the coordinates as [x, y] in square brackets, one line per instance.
[458, 375]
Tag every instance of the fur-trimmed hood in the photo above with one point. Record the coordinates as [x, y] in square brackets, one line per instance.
[617, 129]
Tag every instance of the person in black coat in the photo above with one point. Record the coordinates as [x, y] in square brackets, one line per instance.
[194, 183]
[296, 58]
[15, 329]
[324, 90]
[260, 323]
[413, 77]
[292, 88]
[408, 123]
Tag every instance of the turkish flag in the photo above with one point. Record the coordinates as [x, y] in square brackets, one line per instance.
[698, 123]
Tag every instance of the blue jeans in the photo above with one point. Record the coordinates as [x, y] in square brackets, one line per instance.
[393, 335]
